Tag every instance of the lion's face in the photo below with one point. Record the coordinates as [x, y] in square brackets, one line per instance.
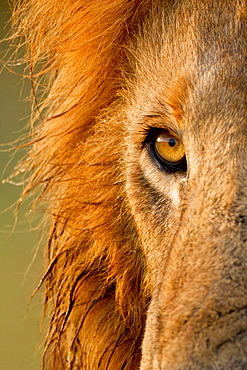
[187, 185]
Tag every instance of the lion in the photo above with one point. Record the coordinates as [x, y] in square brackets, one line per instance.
[138, 149]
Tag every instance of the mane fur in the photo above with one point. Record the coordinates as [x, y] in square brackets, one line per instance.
[97, 285]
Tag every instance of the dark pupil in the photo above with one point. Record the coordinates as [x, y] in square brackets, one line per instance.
[172, 142]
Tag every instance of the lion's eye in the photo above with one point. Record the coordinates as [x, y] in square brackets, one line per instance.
[167, 150]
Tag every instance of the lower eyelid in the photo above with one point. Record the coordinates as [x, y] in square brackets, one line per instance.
[160, 165]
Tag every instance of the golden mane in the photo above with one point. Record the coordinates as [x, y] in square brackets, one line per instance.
[97, 304]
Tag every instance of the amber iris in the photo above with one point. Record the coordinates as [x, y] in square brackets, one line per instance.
[169, 148]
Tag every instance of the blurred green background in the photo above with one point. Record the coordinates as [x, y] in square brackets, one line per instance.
[20, 318]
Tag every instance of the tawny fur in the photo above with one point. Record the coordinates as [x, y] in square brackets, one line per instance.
[97, 304]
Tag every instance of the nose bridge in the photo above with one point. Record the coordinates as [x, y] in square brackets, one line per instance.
[199, 306]
[210, 239]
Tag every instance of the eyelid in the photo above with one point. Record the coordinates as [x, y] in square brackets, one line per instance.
[153, 131]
